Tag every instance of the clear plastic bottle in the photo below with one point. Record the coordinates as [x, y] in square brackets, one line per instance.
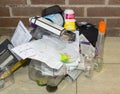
[88, 66]
[100, 46]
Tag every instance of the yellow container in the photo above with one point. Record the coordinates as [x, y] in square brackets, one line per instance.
[70, 25]
[17, 65]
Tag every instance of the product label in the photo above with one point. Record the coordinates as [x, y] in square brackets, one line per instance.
[69, 16]
[70, 26]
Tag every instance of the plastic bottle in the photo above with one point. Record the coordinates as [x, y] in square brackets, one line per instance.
[69, 15]
[88, 66]
[69, 18]
[100, 46]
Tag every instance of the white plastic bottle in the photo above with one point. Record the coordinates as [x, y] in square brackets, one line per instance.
[69, 18]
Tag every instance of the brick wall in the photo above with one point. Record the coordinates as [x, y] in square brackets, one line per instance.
[11, 11]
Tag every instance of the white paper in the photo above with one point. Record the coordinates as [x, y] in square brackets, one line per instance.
[81, 65]
[45, 70]
[41, 51]
[49, 52]
[73, 49]
[74, 74]
[21, 35]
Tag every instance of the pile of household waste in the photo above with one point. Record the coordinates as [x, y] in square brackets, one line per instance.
[54, 47]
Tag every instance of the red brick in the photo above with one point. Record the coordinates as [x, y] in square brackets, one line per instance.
[4, 11]
[12, 22]
[27, 11]
[114, 2]
[6, 31]
[7, 2]
[104, 12]
[48, 1]
[113, 23]
[113, 32]
[78, 11]
[86, 2]
[94, 21]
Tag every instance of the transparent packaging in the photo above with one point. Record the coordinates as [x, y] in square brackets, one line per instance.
[6, 78]
[69, 55]
[100, 50]
[44, 75]
[100, 46]
[98, 63]
[89, 66]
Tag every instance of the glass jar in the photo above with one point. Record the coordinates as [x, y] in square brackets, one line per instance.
[44, 75]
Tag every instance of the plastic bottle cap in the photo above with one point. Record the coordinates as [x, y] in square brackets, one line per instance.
[102, 26]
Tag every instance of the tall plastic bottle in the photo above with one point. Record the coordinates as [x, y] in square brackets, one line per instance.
[100, 46]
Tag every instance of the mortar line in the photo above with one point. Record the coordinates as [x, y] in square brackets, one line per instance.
[28, 2]
[10, 12]
[66, 2]
[106, 2]
[85, 12]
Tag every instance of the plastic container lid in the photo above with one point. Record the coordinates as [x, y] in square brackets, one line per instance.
[102, 26]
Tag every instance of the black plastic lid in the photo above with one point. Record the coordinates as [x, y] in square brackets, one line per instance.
[52, 10]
